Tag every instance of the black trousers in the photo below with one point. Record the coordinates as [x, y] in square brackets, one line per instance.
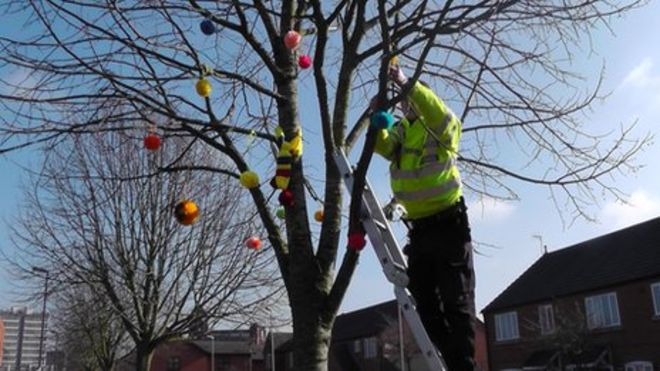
[441, 275]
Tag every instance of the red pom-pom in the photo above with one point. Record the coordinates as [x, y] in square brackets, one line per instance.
[305, 61]
[292, 39]
[286, 198]
[356, 241]
[253, 243]
[152, 142]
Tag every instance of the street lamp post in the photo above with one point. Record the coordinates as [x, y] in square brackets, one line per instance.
[212, 351]
[272, 340]
[401, 349]
[272, 350]
[43, 314]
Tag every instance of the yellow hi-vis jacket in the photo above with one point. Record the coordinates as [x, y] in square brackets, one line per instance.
[424, 176]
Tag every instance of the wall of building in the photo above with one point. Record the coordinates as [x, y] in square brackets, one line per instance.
[2, 340]
[190, 357]
[637, 338]
[21, 324]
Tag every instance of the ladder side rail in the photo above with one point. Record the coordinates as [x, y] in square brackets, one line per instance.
[394, 273]
[388, 235]
[432, 356]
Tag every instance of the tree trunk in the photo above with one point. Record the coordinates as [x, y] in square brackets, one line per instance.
[143, 356]
[311, 341]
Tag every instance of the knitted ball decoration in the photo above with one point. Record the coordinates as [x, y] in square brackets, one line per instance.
[318, 215]
[186, 212]
[253, 243]
[356, 241]
[207, 26]
[382, 120]
[152, 142]
[286, 198]
[203, 88]
[304, 61]
[249, 179]
[292, 39]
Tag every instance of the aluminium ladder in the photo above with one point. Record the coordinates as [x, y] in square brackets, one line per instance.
[391, 259]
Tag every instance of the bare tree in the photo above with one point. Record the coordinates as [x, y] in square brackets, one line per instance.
[95, 220]
[88, 332]
[504, 66]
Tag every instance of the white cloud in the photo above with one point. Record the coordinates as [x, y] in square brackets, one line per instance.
[491, 210]
[642, 75]
[640, 207]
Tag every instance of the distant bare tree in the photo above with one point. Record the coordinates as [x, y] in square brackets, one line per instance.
[570, 336]
[503, 65]
[88, 331]
[95, 220]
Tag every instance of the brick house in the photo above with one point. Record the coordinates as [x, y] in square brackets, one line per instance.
[231, 350]
[594, 305]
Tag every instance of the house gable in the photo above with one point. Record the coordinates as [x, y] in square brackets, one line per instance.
[626, 255]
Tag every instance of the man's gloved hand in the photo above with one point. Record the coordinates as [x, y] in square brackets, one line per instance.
[397, 75]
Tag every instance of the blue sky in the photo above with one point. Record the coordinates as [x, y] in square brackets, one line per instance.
[633, 75]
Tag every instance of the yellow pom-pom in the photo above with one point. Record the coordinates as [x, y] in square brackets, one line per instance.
[394, 60]
[249, 179]
[296, 145]
[203, 87]
[318, 215]
[186, 212]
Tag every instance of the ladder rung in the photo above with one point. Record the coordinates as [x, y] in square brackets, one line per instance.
[395, 273]
[380, 225]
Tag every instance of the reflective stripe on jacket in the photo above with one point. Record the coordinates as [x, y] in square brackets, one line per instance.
[424, 176]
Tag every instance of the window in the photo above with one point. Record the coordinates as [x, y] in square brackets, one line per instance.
[173, 364]
[506, 326]
[357, 346]
[655, 292]
[602, 311]
[370, 347]
[289, 360]
[222, 364]
[546, 319]
[639, 366]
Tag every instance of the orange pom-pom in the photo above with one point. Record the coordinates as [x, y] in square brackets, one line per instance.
[186, 212]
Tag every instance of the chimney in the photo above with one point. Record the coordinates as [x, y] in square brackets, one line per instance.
[257, 334]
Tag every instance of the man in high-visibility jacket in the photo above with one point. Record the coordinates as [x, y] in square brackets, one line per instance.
[422, 148]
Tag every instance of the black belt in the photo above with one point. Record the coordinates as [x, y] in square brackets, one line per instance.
[441, 216]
